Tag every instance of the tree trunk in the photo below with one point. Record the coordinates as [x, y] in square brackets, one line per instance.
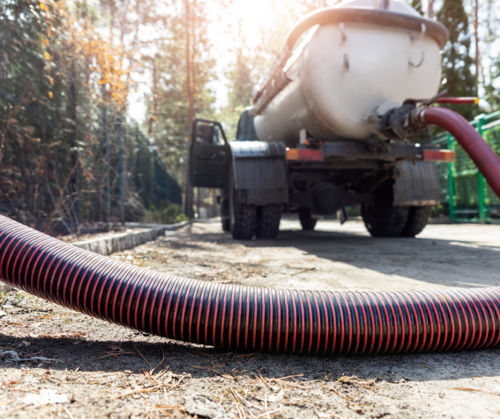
[430, 10]
[188, 203]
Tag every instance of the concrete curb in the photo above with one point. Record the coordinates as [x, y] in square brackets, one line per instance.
[123, 241]
[120, 242]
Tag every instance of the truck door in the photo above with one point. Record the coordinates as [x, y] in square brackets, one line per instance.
[210, 155]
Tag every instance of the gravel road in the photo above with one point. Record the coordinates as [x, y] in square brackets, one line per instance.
[57, 363]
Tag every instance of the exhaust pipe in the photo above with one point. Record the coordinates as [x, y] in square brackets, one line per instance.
[247, 318]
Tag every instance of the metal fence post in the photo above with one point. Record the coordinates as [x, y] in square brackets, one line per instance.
[106, 170]
[121, 169]
[481, 183]
[451, 184]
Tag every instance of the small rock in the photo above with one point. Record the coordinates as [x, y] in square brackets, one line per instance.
[198, 405]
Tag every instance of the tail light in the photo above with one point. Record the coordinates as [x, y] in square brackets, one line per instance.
[439, 155]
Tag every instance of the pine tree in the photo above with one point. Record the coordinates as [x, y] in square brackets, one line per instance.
[457, 77]
[493, 92]
[167, 122]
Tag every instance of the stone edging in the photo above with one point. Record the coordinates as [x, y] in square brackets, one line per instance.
[123, 241]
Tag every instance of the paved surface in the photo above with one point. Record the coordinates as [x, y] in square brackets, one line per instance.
[100, 380]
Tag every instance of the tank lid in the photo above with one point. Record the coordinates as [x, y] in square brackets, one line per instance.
[387, 5]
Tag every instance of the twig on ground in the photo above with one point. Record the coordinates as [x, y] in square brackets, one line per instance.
[241, 414]
[129, 393]
[473, 389]
[68, 412]
[265, 406]
[246, 401]
[289, 376]
[147, 362]
[302, 271]
[162, 359]
[177, 383]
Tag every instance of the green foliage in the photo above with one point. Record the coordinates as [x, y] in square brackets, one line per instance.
[457, 61]
[167, 213]
[58, 79]
[35, 99]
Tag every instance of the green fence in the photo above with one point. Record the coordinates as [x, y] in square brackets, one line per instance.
[153, 182]
[463, 189]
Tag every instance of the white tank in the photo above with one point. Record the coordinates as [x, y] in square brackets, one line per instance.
[340, 72]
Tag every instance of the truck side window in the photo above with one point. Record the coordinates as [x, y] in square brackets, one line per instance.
[207, 133]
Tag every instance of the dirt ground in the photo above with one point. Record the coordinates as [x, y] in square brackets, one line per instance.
[57, 363]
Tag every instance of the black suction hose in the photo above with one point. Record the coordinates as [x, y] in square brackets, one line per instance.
[247, 318]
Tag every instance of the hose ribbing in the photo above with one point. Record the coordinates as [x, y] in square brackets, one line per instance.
[246, 318]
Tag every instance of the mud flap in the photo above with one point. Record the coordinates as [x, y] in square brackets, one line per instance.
[416, 184]
[260, 172]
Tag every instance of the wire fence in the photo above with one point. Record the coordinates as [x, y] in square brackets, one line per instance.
[153, 182]
[464, 190]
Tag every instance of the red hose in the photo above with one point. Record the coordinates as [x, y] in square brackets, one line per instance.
[478, 150]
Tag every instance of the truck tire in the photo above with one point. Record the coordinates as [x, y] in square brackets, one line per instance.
[306, 221]
[268, 221]
[224, 212]
[418, 217]
[381, 217]
[242, 217]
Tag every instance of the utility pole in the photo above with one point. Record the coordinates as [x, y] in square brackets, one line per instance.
[188, 203]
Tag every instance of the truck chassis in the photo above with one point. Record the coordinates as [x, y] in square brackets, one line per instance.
[395, 183]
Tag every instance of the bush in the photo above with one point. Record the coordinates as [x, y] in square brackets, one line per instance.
[167, 213]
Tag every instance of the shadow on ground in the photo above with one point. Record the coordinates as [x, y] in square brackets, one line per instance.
[97, 355]
[450, 262]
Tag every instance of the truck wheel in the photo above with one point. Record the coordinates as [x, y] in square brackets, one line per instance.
[381, 217]
[268, 221]
[306, 221]
[418, 217]
[242, 217]
[224, 212]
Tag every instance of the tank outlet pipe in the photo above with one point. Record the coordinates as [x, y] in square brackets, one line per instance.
[480, 152]
[247, 318]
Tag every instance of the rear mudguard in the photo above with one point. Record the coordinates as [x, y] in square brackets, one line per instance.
[260, 172]
[416, 184]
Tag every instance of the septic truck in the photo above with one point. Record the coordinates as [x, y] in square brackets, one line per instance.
[331, 127]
